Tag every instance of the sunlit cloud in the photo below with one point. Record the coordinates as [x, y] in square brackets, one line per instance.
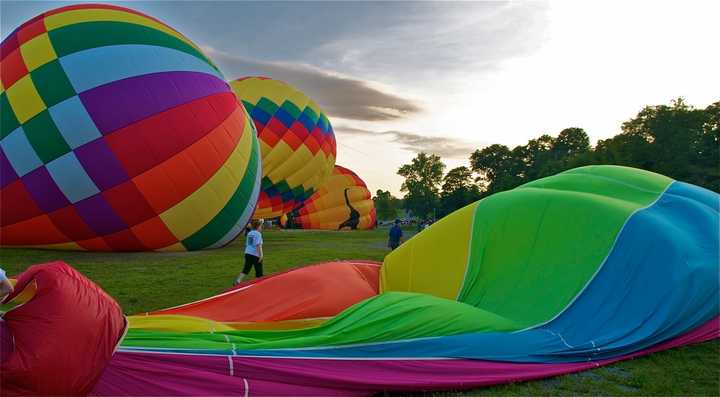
[445, 147]
[338, 95]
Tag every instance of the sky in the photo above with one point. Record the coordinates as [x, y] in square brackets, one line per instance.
[451, 77]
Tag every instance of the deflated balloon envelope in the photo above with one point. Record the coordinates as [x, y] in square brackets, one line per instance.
[119, 134]
[570, 272]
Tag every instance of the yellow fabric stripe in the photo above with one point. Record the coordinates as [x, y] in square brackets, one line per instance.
[173, 322]
[278, 325]
[24, 99]
[273, 157]
[253, 89]
[181, 323]
[324, 169]
[37, 52]
[25, 295]
[99, 14]
[173, 248]
[334, 213]
[440, 272]
[198, 209]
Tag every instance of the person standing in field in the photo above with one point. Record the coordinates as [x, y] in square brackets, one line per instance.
[253, 251]
[395, 235]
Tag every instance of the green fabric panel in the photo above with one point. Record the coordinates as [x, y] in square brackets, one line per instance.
[542, 242]
[8, 121]
[81, 36]
[389, 316]
[267, 105]
[52, 83]
[226, 219]
[292, 109]
[45, 137]
[310, 113]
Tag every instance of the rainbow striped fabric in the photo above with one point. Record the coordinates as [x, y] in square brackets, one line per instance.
[296, 141]
[590, 266]
[119, 134]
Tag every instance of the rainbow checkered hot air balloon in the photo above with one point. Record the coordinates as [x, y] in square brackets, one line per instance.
[296, 140]
[342, 202]
[118, 133]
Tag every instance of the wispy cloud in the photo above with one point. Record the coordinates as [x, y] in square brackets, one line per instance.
[451, 148]
[338, 95]
[424, 41]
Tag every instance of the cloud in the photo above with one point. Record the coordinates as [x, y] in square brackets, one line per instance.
[338, 95]
[427, 40]
[442, 146]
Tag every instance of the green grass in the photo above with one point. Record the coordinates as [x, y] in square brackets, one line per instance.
[143, 282]
[148, 281]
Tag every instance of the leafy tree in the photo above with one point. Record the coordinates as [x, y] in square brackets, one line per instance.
[386, 205]
[422, 184]
[676, 140]
[570, 142]
[709, 149]
[458, 190]
[494, 165]
[533, 158]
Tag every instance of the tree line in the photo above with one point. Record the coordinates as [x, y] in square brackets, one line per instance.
[676, 140]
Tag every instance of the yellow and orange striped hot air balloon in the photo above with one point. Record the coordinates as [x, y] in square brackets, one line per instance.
[296, 141]
[343, 202]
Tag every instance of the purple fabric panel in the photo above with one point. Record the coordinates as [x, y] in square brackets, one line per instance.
[7, 173]
[44, 190]
[133, 374]
[100, 163]
[176, 374]
[6, 341]
[123, 102]
[99, 215]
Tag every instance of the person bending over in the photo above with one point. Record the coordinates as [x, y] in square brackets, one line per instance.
[253, 251]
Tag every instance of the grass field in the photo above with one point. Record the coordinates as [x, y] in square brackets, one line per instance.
[147, 281]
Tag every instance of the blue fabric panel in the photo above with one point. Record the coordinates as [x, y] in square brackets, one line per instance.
[74, 122]
[71, 177]
[94, 67]
[20, 152]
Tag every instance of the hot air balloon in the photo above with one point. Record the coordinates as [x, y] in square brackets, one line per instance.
[119, 134]
[296, 141]
[343, 202]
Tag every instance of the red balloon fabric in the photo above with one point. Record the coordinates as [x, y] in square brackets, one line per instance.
[63, 337]
[319, 290]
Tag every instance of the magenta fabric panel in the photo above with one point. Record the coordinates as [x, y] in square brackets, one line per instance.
[151, 374]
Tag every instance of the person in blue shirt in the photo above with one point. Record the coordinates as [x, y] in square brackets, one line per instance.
[395, 236]
[253, 251]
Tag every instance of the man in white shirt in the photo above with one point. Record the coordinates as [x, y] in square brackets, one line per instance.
[253, 251]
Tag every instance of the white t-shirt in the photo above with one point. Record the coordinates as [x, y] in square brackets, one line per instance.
[252, 240]
[2, 274]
